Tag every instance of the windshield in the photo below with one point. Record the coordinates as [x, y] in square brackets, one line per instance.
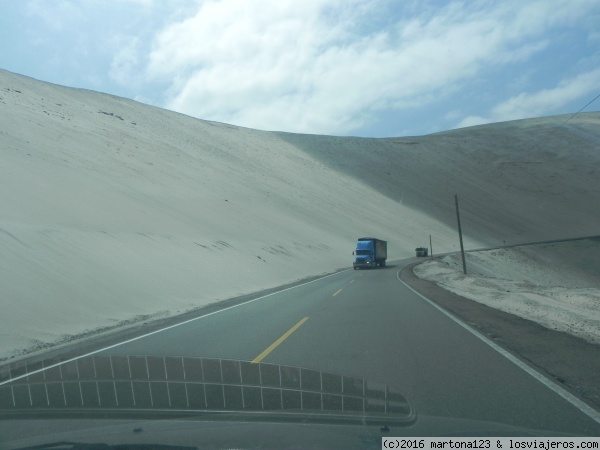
[163, 256]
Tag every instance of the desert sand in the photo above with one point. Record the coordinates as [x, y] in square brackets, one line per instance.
[542, 283]
[116, 212]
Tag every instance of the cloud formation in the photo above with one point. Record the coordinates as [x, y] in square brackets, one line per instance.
[312, 66]
[542, 102]
[366, 67]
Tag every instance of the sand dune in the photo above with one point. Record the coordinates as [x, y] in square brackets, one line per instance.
[115, 212]
[520, 181]
[555, 285]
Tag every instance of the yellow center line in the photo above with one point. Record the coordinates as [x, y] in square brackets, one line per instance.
[275, 344]
[337, 292]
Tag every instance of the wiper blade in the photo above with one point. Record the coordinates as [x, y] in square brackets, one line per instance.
[208, 388]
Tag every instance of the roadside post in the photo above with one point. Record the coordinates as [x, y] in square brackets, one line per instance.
[430, 247]
[462, 248]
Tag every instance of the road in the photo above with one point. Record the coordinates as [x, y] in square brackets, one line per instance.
[368, 324]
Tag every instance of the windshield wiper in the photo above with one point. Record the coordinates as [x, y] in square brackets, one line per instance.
[207, 388]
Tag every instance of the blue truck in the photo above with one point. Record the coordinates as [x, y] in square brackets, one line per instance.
[370, 253]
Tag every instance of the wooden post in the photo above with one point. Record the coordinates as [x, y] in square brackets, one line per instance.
[430, 247]
[462, 248]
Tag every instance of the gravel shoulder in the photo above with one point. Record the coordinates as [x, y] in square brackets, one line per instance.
[572, 362]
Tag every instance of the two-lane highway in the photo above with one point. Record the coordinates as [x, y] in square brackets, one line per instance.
[368, 324]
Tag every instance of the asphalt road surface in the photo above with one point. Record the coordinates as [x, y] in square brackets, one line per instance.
[368, 324]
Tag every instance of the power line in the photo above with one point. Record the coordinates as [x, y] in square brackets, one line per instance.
[588, 104]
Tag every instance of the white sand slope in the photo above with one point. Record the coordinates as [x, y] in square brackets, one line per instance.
[531, 282]
[520, 181]
[114, 212]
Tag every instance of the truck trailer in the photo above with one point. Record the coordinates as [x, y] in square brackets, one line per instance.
[421, 251]
[370, 253]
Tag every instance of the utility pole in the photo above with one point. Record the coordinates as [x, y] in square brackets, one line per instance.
[430, 247]
[462, 248]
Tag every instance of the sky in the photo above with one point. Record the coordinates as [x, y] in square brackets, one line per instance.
[372, 68]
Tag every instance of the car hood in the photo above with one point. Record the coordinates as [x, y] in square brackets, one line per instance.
[209, 403]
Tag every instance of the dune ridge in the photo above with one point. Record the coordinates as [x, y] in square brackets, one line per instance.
[114, 212]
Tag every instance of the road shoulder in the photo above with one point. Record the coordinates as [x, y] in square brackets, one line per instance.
[570, 361]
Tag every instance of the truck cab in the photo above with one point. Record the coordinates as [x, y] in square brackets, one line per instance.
[369, 253]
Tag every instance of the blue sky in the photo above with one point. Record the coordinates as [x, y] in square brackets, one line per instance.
[343, 67]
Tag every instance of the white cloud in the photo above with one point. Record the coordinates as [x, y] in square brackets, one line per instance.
[471, 121]
[126, 60]
[309, 66]
[541, 103]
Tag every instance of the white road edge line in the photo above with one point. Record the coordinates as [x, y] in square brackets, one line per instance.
[166, 328]
[582, 406]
